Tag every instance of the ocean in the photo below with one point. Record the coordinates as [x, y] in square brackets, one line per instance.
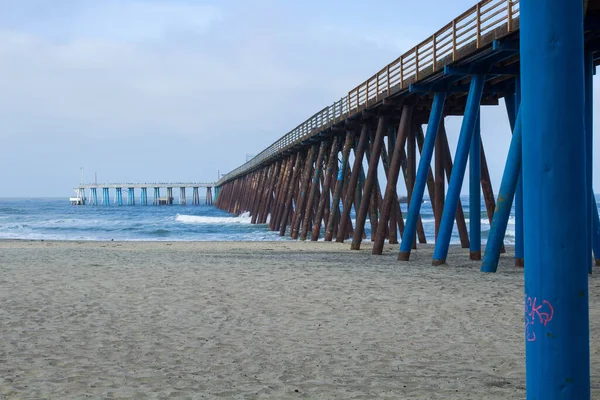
[56, 219]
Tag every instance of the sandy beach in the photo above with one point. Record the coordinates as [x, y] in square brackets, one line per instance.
[259, 320]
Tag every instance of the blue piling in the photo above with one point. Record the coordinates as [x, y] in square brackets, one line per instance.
[94, 196]
[105, 197]
[475, 192]
[519, 238]
[131, 197]
[414, 208]
[555, 200]
[119, 199]
[156, 195]
[458, 172]
[510, 179]
[589, 142]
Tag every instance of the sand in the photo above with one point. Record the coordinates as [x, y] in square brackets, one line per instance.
[259, 320]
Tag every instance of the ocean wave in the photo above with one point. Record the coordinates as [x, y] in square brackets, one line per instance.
[206, 220]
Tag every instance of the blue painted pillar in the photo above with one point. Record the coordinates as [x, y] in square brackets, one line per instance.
[510, 179]
[519, 239]
[144, 196]
[105, 197]
[589, 153]
[131, 196]
[156, 195]
[414, 208]
[458, 172]
[555, 199]
[94, 196]
[475, 192]
[119, 196]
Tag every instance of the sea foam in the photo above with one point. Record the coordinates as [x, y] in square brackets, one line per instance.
[206, 220]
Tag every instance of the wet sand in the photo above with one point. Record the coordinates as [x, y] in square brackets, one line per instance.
[259, 320]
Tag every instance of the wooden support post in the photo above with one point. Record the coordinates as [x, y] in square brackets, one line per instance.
[392, 178]
[278, 189]
[256, 196]
[291, 191]
[488, 191]
[352, 185]
[460, 215]
[335, 202]
[306, 181]
[310, 204]
[329, 176]
[369, 184]
[440, 183]
[270, 194]
[411, 169]
[424, 173]
[281, 195]
[393, 219]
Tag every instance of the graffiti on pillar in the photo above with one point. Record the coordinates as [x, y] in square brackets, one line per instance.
[536, 312]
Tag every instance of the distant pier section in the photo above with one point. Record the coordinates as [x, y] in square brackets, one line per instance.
[100, 193]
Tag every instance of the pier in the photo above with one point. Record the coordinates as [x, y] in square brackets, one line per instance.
[99, 193]
[539, 57]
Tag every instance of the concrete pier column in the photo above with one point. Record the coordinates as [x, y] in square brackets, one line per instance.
[119, 197]
[131, 196]
[94, 196]
[557, 250]
[169, 195]
[182, 199]
[144, 196]
[105, 197]
[195, 197]
[156, 195]
[208, 201]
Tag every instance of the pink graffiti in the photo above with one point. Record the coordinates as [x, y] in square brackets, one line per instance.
[543, 313]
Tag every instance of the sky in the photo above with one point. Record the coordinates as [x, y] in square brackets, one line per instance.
[179, 90]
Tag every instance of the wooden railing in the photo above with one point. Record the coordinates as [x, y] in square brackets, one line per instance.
[459, 38]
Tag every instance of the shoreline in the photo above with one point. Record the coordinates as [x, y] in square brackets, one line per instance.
[279, 320]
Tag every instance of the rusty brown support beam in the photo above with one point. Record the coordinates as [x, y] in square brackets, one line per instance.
[374, 210]
[235, 195]
[278, 191]
[246, 192]
[395, 223]
[488, 191]
[257, 191]
[375, 198]
[316, 181]
[460, 215]
[420, 229]
[305, 187]
[284, 192]
[299, 190]
[369, 184]
[262, 194]
[392, 177]
[329, 176]
[430, 180]
[411, 167]
[352, 185]
[349, 224]
[331, 191]
[335, 202]
[292, 189]
[440, 182]
[264, 213]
